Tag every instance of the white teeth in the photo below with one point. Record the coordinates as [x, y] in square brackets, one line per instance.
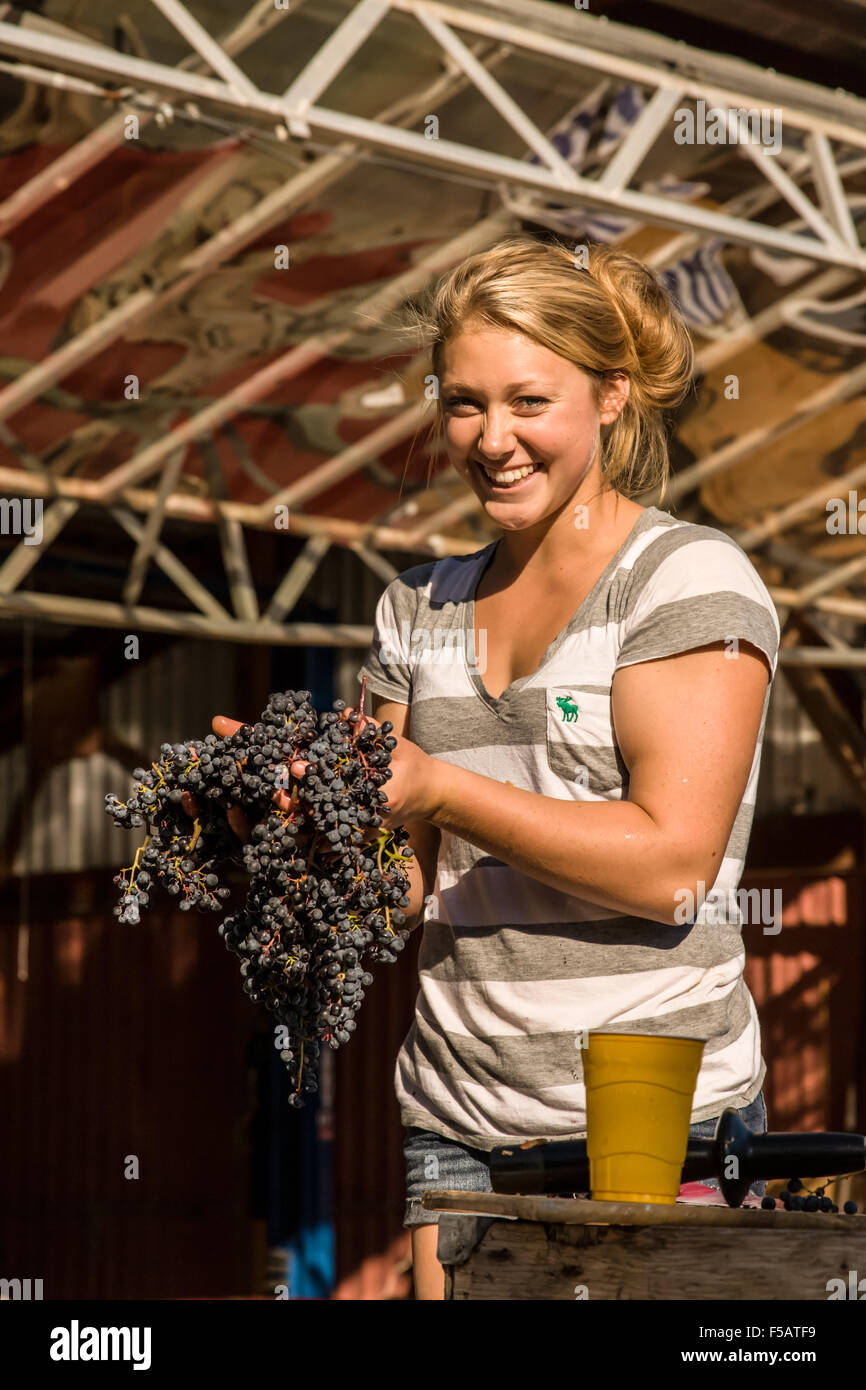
[512, 475]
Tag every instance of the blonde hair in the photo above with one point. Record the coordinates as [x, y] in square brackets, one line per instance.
[615, 315]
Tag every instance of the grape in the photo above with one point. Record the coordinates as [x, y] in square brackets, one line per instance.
[813, 1201]
[323, 901]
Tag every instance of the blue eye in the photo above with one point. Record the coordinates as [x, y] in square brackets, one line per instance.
[451, 401]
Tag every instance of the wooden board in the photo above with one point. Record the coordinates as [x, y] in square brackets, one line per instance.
[539, 1248]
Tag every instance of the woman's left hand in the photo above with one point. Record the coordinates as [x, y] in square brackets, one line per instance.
[411, 789]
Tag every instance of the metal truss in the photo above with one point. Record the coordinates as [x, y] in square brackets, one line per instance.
[673, 72]
[585, 42]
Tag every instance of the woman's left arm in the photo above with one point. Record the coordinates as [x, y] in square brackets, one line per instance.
[687, 727]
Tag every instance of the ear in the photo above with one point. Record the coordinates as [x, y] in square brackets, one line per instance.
[614, 397]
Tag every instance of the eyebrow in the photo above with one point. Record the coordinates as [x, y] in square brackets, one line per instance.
[512, 385]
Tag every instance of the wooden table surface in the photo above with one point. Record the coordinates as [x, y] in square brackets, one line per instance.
[494, 1246]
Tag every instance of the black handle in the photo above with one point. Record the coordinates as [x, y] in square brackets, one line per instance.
[562, 1166]
[735, 1157]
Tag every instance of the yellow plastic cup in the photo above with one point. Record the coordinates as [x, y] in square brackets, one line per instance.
[639, 1092]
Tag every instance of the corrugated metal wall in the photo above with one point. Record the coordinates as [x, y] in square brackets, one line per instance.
[807, 982]
[124, 1043]
[170, 696]
[369, 1198]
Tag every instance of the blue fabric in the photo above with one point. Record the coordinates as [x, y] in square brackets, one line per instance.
[310, 1262]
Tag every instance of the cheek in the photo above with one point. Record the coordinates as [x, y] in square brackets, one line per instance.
[571, 442]
[460, 438]
[560, 434]
[460, 427]
[568, 431]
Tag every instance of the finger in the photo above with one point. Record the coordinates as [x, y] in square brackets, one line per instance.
[224, 726]
[298, 767]
[238, 822]
[188, 803]
[359, 723]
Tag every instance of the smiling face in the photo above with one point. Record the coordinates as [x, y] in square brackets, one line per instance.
[521, 425]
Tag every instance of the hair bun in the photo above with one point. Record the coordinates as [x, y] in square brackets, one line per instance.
[663, 354]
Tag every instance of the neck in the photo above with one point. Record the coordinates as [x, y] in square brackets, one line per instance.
[569, 541]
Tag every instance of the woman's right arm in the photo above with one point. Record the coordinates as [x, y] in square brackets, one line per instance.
[423, 837]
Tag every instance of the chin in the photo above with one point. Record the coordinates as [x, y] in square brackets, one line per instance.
[518, 521]
[513, 518]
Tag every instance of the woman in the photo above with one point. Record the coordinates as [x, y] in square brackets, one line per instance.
[579, 709]
[585, 699]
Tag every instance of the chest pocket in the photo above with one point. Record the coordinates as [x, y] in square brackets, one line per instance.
[580, 740]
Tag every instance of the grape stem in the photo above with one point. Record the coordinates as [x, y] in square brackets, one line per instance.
[134, 865]
[383, 839]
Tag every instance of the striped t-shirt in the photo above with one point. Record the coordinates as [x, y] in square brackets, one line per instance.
[511, 970]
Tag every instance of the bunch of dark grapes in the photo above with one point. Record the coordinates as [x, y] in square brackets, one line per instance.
[327, 882]
[813, 1201]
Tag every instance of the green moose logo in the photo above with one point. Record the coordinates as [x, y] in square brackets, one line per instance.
[569, 709]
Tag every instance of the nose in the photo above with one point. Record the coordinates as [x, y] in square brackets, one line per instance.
[496, 440]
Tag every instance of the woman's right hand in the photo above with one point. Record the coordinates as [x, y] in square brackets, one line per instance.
[224, 728]
[236, 817]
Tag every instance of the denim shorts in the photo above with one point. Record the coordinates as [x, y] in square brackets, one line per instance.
[434, 1162]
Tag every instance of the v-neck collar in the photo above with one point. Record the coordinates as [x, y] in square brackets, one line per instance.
[500, 703]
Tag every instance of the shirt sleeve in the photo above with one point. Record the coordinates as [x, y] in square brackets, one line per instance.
[704, 590]
[387, 666]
